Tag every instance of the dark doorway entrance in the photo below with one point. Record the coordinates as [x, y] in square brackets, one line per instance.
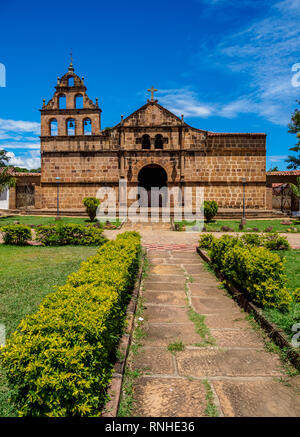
[24, 196]
[152, 176]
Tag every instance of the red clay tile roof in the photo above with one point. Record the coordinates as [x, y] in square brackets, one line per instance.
[284, 173]
[220, 134]
[21, 173]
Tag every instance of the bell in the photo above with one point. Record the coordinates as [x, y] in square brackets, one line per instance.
[71, 124]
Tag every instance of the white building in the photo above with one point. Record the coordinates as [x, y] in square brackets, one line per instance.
[4, 199]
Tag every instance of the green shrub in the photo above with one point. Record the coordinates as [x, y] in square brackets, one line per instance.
[59, 360]
[91, 204]
[210, 209]
[251, 239]
[70, 234]
[206, 241]
[219, 246]
[260, 273]
[276, 242]
[16, 234]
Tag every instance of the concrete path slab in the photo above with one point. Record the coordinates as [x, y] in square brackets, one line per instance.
[197, 338]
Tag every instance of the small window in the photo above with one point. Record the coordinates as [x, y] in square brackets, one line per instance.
[71, 81]
[62, 102]
[87, 126]
[71, 127]
[53, 127]
[146, 144]
[79, 101]
[158, 142]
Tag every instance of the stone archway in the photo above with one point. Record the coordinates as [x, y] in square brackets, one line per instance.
[150, 176]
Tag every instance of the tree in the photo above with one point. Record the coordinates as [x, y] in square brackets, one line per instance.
[4, 158]
[273, 168]
[6, 178]
[296, 188]
[91, 204]
[210, 209]
[294, 128]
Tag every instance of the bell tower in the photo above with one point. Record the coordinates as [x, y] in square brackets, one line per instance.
[70, 112]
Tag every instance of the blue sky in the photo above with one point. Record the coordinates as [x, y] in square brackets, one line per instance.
[225, 64]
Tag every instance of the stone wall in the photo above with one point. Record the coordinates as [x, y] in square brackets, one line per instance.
[190, 157]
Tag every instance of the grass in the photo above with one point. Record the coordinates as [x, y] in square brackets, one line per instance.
[198, 319]
[201, 328]
[210, 410]
[177, 346]
[44, 220]
[27, 275]
[261, 225]
[273, 348]
[285, 321]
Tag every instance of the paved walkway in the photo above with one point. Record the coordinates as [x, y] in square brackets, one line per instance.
[160, 237]
[223, 369]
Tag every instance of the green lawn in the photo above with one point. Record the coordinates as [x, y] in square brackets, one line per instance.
[44, 220]
[27, 274]
[262, 225]
[292, 267]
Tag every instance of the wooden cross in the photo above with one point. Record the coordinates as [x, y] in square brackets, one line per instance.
[152, 91]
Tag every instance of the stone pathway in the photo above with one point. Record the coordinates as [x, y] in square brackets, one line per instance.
[227, 372]
[163, 237]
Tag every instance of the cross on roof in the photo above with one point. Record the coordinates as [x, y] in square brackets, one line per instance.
[152, 91]
[71, 68]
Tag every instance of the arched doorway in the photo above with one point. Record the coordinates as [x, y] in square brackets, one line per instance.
[152, 175]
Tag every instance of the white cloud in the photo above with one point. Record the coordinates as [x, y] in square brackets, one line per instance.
[19, 126]
[184, 101]
[29, 160]
[260, 58]
[276, 158]
[19, 134]
[288, 5]
[266, 51]
[19, 145]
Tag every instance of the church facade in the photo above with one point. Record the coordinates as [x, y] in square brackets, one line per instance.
[150, 147]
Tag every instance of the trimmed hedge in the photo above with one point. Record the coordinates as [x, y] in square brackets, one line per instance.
[91, 204]
[255, 270]
[210, 209]
[59, 360]
[70, 234]
[206, 241]
[17, 235]
[276, 242]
